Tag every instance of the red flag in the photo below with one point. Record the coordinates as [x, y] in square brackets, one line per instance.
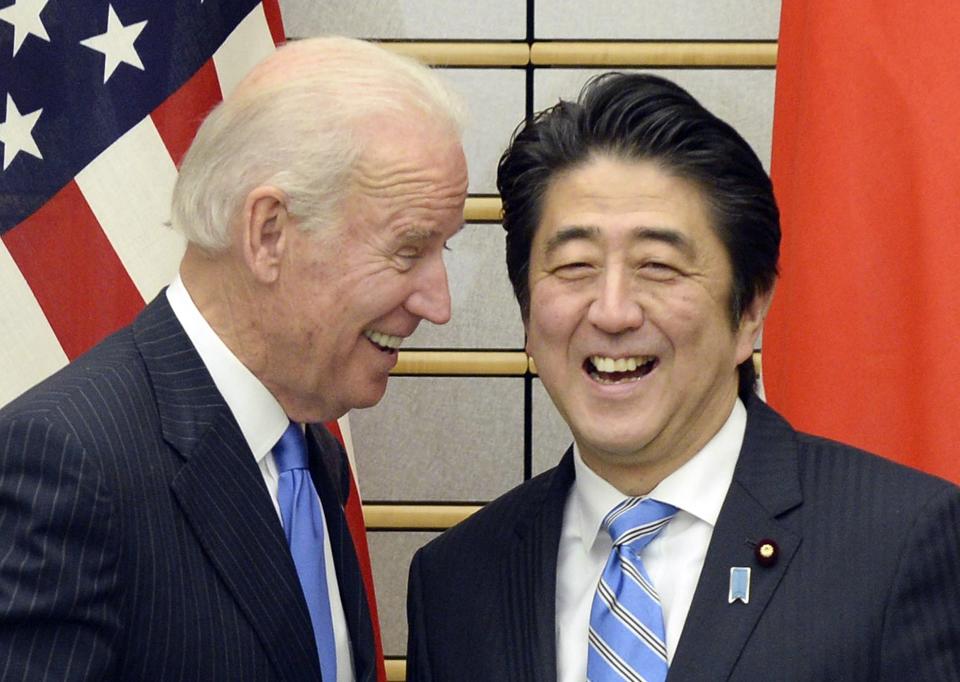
[98, 103]
[863, 339]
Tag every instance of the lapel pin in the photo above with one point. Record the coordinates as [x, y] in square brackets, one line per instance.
[739, 584]
[766, 551]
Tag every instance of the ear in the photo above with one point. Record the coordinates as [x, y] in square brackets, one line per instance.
[525, 320]
[264, 232]
[751, 322]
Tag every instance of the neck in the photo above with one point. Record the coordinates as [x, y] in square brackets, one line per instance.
[227, 301]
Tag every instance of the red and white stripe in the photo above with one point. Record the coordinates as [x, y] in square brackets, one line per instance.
[85, 263]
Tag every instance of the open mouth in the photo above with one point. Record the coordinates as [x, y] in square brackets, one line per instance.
[385, 342]
[606, 370]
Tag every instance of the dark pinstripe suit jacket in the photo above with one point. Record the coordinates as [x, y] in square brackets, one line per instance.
[866, 587]
[137, 538]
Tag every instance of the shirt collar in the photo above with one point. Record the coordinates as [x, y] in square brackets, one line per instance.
[698, 487]
[261, 418]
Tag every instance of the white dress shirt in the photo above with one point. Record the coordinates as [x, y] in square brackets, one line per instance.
[673, 559]
[262, 421]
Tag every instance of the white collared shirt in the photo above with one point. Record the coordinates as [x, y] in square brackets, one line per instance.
[673, 559]
[262, 421]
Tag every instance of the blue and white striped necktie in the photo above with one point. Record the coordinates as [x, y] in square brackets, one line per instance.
[627, 639]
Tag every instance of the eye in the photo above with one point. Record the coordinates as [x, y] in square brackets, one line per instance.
[658, 270]
[573, 270]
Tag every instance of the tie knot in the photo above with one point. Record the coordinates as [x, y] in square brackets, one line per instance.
[290, 452]
[636, 521]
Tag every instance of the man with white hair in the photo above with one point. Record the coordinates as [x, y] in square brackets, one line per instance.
[165, 513]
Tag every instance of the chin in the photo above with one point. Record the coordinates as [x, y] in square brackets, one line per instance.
[616, 448]
[370, 397]
[618, 452]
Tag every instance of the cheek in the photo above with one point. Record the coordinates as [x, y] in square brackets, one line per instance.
[552, 313]
[396, 289]
[672, 322]
[684, 315]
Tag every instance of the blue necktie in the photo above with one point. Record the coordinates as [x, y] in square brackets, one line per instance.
[627, 640]
[304, 527]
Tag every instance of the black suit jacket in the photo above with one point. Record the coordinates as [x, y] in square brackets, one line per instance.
[137, 537]
[866, 585]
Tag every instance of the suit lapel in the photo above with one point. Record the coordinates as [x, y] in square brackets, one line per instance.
[765, 487]
[328, 469]
[530, 579]
[222, 495]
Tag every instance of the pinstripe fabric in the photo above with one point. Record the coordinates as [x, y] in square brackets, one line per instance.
[508, 558]
[119, 559]
[865, 586]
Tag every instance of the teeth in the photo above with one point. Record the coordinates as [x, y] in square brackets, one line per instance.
[384, 340]
[609, 365]
[602, 364]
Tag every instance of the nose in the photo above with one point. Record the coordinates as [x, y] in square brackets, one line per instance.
[431, 298]
[615, 308]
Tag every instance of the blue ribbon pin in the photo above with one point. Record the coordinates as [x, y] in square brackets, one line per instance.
[739, 584]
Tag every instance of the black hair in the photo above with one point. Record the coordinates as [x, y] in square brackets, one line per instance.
[640, 117]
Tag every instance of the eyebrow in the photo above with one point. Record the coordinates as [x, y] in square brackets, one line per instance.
[417, 234]
[569, 234]
[660, 234]
[666, 235]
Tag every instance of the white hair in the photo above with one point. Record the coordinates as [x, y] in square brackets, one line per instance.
[291, 124]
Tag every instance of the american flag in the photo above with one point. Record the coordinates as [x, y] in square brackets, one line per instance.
[99, 101]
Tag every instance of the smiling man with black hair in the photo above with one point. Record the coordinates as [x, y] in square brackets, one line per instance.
[689, 531]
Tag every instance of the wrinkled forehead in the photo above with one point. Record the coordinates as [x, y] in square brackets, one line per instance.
[388, 144]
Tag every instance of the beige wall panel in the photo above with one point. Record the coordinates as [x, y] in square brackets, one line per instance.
[551, 435]
[658, 20]
[495, 102]
[741, 97]
[484, 314]
[415, 19]
[441, 438]
[390, 555]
